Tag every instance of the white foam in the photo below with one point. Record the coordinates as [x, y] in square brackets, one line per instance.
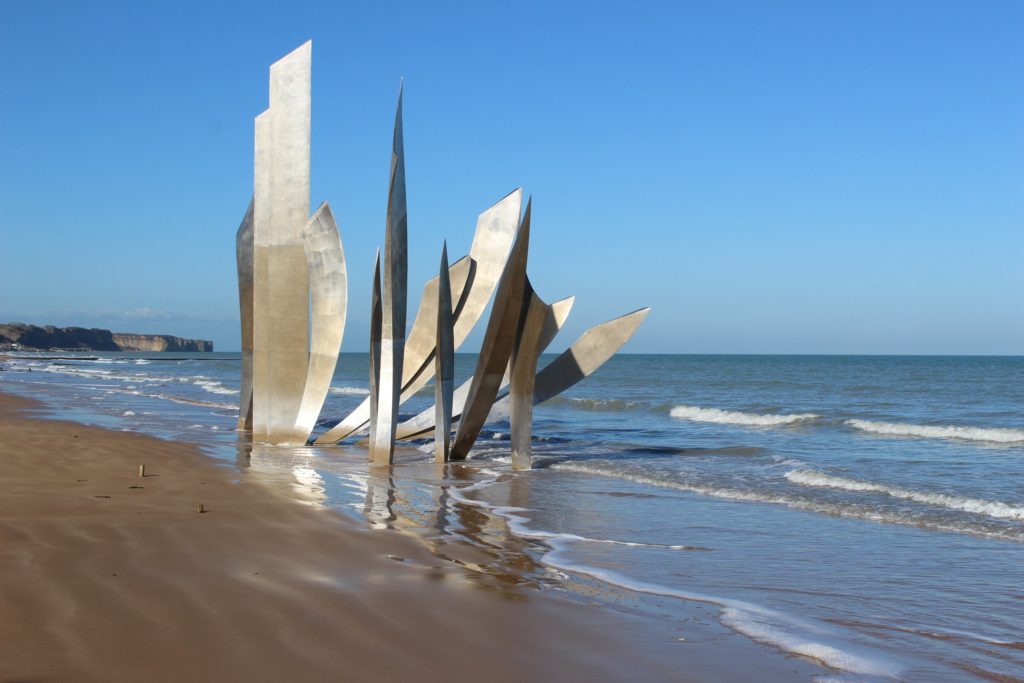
[698, 414]
[837, 509]
[605, 404]
[72, 370]
[214, 387]
[350, 391]
[993, 434]
[186, 401]
[974, 505]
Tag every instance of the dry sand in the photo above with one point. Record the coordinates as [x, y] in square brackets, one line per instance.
[108, 576]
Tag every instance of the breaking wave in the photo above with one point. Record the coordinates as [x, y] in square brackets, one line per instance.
[350, 391]
[605, 404]
[697, 414]
[992, 434]
[974, 505]
[214, 387]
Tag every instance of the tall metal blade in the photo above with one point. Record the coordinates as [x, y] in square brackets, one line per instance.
[444, 363]
[280, 280]
[394, 286]
[495, 230]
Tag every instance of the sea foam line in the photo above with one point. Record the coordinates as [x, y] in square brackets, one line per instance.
[698, 414]
[350, 391]
[993, 434]
[215, 387]
[839, 510]
[976, 505]
[812, 639]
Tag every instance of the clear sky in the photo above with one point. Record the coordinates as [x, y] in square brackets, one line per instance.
[771, 177]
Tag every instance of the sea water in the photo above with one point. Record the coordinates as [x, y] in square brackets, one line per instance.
[866, 512]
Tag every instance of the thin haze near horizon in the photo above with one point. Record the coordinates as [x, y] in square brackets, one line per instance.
[793, 177]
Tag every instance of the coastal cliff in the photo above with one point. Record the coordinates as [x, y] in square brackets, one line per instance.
[45, 338]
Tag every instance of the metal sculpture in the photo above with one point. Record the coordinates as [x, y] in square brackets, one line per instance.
[328, 302]
[497, 344]
[422, 425]
[419, 343]
[593, 348]
[522, 367]
[280, 279]
[394, 281]
[293, 295]
[588, 353]
[492, 240]
[444, 362]
[375, 332]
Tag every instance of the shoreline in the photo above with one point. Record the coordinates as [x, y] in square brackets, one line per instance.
[101, 580]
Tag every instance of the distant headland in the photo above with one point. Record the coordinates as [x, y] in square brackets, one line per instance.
[14, 336]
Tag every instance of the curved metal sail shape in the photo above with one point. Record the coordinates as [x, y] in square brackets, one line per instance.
[394, 290]
[593, 348]
[243, 256]
[280, 281]
[492, 242]
[444, 362]
[488, 254]
[496, 348]
[421, 340]
[423, 424]
[328, 303]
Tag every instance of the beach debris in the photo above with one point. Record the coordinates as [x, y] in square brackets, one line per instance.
[200, 509]
[142, 470]
[101, 496]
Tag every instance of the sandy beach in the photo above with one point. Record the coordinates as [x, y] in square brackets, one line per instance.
[106, 575]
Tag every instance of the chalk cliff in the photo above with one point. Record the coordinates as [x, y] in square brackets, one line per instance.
[49, 338]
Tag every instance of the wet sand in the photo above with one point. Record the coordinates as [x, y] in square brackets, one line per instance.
[106, 575]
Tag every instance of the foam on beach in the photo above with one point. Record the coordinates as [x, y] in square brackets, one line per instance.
[974, 505]
[350, 391]
[715, 415]
[991, 434]
[839, 509]
[215, 387]
[605, 404]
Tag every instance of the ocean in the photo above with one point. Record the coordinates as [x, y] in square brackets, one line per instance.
[866, 512]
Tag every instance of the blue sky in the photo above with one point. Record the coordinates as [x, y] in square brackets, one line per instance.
[788, 177]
